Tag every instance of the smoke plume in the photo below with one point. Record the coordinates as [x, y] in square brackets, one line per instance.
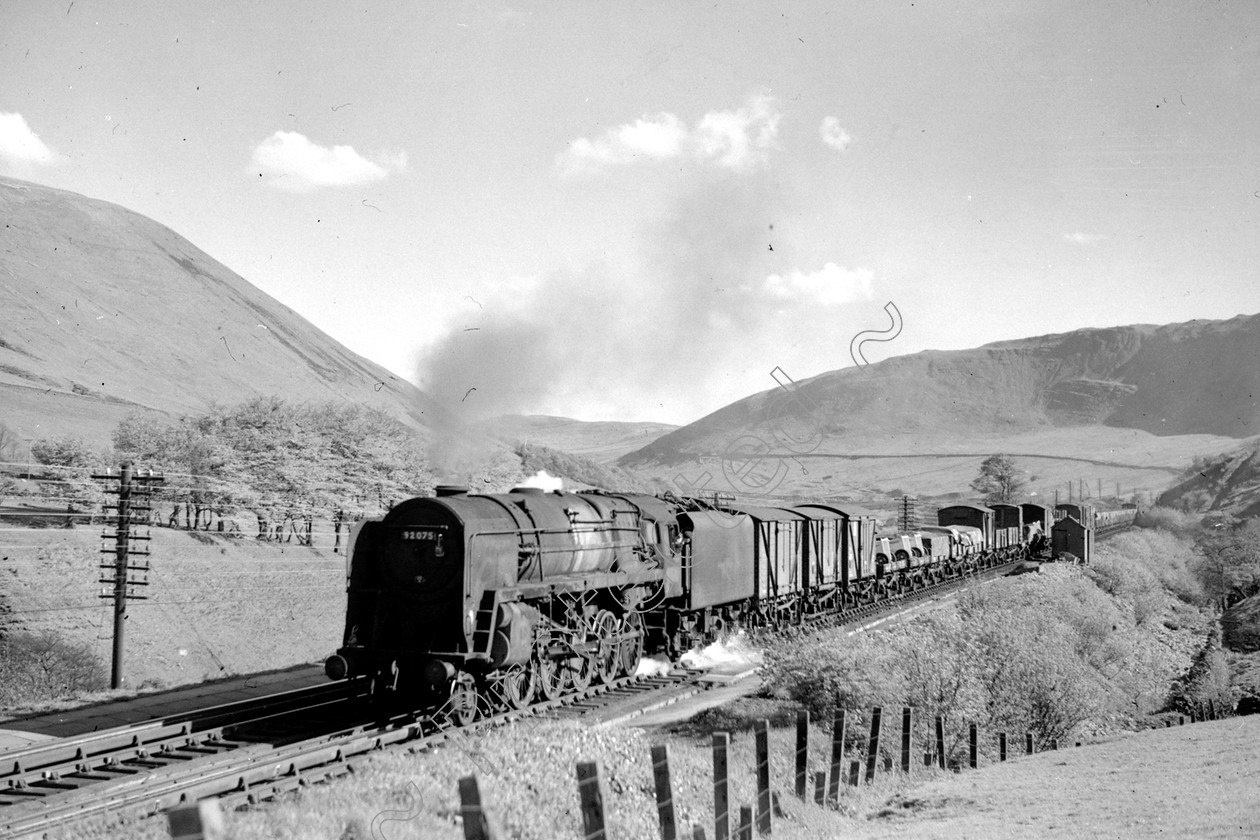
[711, 303]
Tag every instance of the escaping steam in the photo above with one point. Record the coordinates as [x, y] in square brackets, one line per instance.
[734, 651]
[543, 481]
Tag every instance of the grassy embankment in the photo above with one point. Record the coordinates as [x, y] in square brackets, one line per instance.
[217, 606]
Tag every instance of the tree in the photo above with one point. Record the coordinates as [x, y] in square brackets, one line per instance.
[1231, 560]
[999, 481]
[8, 443]
[62, 452]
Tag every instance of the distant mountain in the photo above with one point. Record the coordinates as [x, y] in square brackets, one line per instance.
[1196, 378]
[104, 311]
[598, 440]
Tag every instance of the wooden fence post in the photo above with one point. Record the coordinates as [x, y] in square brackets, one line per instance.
[761, 732]
[592, 792]
[697, 832]
[940, 741]
[837, 755]
[873, 748]
[476, 820]
[855, 771]
[745, 822]
[1054, 743]
[1002, 746]
[907, 725]
[802, 751]
[1028, 744]
[973, 746]
[820, 788]
[664, 792]
[196, 821]
[721, 793]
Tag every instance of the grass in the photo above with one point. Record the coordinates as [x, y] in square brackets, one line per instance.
[528, 783]
[218, 606]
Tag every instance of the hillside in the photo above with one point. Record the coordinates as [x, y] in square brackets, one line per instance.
[106, 311]
[1130, 404]
[599, 440]
[1228, 483]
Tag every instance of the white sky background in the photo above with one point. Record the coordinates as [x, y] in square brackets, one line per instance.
[571, 206]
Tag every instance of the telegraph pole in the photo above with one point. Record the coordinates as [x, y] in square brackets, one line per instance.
[909, 515]
[134, 492]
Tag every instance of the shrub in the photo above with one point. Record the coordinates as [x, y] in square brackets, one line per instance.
[1240, 626]
[1231, 560]
[1167, 519]
[62, 452]
[1132, 582]
[1208, 679]
[1030, 654]
[43, 666]
[1135, 564]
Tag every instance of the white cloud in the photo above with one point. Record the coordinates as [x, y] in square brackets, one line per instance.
[739, 139]
[659, 137]
[1081, 238]
[292, 162]
[736, 139]
[834, 135]
[830, 285]
[19, 146]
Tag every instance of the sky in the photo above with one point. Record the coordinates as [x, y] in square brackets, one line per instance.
[637, 211]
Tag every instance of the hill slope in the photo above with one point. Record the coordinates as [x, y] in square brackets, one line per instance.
[1229, 483]
[600, 440]
[103, 311]
[1181, 379]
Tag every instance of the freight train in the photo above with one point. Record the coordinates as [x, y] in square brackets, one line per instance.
[478, 601]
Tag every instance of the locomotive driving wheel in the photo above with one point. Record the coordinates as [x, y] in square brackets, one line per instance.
[551, 673]
[519, 684]
[630, 650]
[463, 702]
[579, 669]
[608, 657]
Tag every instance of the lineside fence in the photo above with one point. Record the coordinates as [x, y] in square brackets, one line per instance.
[70, 496]
[817, 782]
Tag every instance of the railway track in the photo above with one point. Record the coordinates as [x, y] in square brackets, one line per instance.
[256, 750]
[261, 753]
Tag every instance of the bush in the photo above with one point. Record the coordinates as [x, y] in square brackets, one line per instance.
[1207, 680]
[62, 452]
[1137, 565]
[1230, 559]
[1167, 519]
[1130, 581]
[42, 667]
[1240, 626]
[999, 658]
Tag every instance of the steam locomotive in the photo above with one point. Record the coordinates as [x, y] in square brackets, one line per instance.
[476, 601]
